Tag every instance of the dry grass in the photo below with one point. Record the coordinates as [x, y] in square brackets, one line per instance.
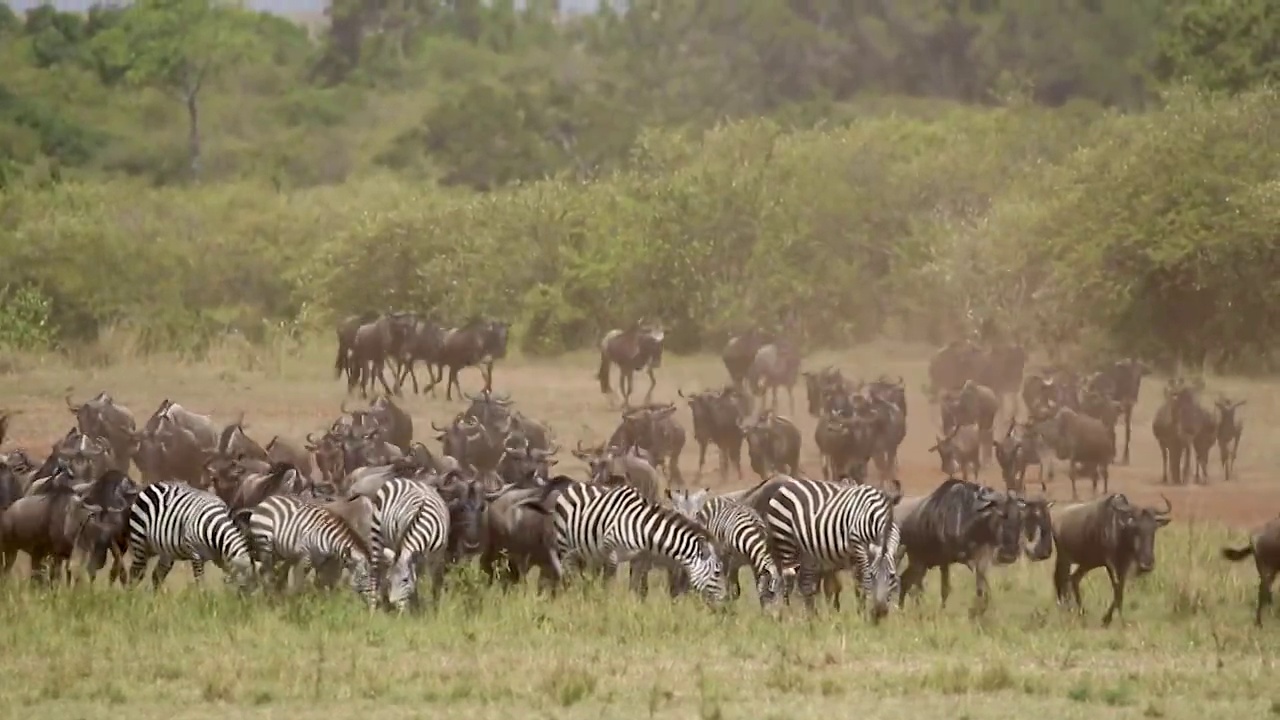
[1187, 647]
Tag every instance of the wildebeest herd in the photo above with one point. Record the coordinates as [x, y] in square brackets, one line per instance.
[362, 498]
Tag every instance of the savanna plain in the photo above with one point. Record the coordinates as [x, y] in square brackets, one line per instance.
[1186, 647]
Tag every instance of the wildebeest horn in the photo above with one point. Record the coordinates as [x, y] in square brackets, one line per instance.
[555, 448]
[1168, 506]
[579, 448]
[310, 439]
[437, 428]
[472, 398]
[679, 391]
[72, 406]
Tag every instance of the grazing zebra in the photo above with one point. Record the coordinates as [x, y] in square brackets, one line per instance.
[410, 529]
[615, 524]
[288, 531]
[819, 527]
[741, 537]
[175, 521]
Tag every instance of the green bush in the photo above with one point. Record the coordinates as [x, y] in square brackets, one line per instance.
[1149, 234]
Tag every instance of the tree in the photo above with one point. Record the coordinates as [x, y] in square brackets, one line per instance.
[1229, 45]
[179, 47]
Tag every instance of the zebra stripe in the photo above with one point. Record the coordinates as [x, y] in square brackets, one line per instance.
[287, 532]
[821, 526]
[743, 539]
[410, 529]
[615, 524]
[175, 521]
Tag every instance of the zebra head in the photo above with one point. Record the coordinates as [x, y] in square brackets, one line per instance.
[771, 586]
[402, 580]
[880, 572]
[706, 572]
[241, 571]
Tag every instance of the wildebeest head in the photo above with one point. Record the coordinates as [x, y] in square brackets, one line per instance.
[234, 442]
[102, 416]
[465, 497]
[650, 342]
[641, 426]
[948, 452]
[86, 457]
[328, 454]
[1032, 526]
[490, 409]
[521, 462]
[495, 339]
[1011, 455]
[1227, 410]
[823, 389]
[890, 391]
[1138, 526]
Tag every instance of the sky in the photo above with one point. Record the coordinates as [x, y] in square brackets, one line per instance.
[275, 6]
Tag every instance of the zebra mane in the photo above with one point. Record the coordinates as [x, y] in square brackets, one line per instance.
[680, 520]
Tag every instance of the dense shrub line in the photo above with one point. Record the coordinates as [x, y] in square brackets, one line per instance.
[1152, 233]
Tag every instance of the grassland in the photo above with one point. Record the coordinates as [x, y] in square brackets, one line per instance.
[1187, 647]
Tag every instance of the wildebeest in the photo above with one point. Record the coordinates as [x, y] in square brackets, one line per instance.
[519, 538]
[346, 332]
[958, 451]
[423, 340]
[1197, 429]
[106, 502]
[1121, 382]
[653, 428]
[478, 342]
[775, 365]
[283, 450]
[999, 368]
[631, 465]
[1084, 442]
[827, 391]
[740, 352]
[773, 445]
[966, 523]
[101, 416]
[639, 347]
[1264, 546]
[1015, 452]
[1165, 429]
[717, 420]
[1107, 532]
[1230, 428]
[846, 445]
[45, 525]
[375, 342]
[175, 443]
[972, 403]
[396, 425]
[233, 442]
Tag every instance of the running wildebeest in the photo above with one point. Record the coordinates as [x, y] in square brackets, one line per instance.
[639, 347]
[375, 343]
[1264, 546]
[740, 352]
[1121, 382]
[775, 365]
[1107, 532]
[1197, 430]
[101, 416]
[346, 332]
[717, 420]
[477, 343]
[1230, 428]
[423, 340]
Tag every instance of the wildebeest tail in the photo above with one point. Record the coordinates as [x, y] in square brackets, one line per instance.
[603, 375]
[341, 363]
[1235, 555]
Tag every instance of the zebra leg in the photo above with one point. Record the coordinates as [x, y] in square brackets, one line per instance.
[165, 564]
[807, 579]
[138, 566]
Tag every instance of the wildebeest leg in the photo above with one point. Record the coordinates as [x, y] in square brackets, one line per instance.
[1164, 463]
[702, 458]
[732, 568]
[624, 385]
[653, 383]
[1105, 470]
[944, 584]
[1076, 577]
[1266, 576]
[488, 376]
[1117, 594]
[791, 399]
[1071, 474]
[912, 577]
[1128, 429]
[1061, 579]
[980, 565]
[831, 587]
[452, 383]
[379, 365]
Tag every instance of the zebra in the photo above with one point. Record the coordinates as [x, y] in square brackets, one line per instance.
[741, 538]
[175, 521]
[819, 527]
[615, 524]
[410, 529]
[288, 531]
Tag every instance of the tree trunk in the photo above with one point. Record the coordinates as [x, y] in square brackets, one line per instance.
[193, 132]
